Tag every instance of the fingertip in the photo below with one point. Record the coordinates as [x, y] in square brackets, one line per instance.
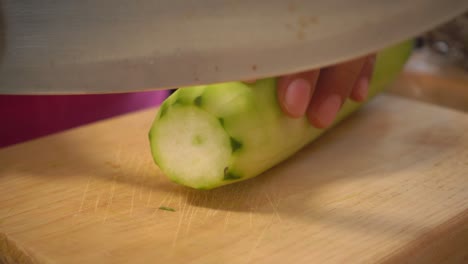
[322, 114]
[334, 86]
[360, 92]
[295, 97]
[361, 88]
[295, 92]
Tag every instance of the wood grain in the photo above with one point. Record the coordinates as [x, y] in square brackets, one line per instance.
[390, 184]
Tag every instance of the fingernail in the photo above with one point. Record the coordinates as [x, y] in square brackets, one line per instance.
[328, 110]
[297, 96]
[362, 89]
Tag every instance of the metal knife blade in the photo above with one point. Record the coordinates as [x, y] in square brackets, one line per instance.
[111, 46]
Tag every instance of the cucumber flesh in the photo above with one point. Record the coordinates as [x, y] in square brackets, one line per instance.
[197, 137]
[212, 135]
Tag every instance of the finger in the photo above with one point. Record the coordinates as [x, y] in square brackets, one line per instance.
[295, 91]
[361, 87]
[333, 88]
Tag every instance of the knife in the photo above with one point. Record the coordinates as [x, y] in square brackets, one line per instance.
[113, 46]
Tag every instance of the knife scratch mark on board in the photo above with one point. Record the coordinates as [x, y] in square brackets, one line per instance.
[176, 235]
[206, 204]
[226, 220]
[163, 201]
[96, 204]
[181, 204]
[179, 225]
[142, 179]
[84, 195]
[161, 204]
[190, 212]
[134, 186]
[250, 217]
[209, 212]
[213, 202]
[149, 197]
[228, 213]
[157, 209]
[249, 197]
[188, 197]
[111, 198]
[192, 209]
[273, 206]
[259, 239]
[133, 200]
[170, 195]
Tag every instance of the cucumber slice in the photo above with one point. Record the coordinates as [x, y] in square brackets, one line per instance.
[212, 135]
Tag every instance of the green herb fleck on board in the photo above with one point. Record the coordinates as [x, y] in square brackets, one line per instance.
[165, 208]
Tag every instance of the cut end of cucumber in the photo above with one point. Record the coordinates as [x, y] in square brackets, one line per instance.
[192, 146]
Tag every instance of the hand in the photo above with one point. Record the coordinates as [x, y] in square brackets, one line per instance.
[320, 93]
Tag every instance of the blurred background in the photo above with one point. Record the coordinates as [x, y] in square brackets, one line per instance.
[437, 73]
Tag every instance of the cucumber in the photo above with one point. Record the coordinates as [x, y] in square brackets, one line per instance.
[211, 135]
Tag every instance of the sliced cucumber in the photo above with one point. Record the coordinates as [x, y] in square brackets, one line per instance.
[212, 135]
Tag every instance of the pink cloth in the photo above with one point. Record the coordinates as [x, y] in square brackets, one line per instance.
[27, 117]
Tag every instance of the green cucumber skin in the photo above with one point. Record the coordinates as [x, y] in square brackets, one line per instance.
[261, 134]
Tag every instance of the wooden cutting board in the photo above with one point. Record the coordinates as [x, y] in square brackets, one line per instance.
[390, 184]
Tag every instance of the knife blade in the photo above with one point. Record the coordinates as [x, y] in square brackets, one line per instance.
[112, 46]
